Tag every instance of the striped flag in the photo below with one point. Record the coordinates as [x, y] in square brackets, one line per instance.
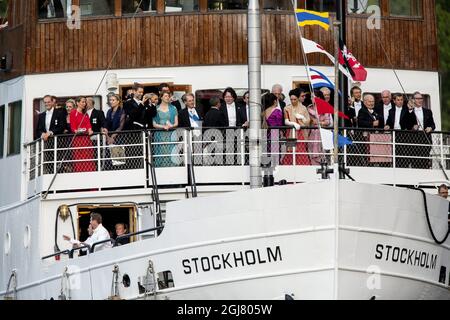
[308, 18]
[319, 80]
[310, 46]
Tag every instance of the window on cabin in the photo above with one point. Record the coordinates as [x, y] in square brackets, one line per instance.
[216, 5]
[405, 8]
[52, 9]
[360, 6]
[320, 5]
[2, 129]
[277, 5]
[14, 127]
[181, 5]
[132, 6]
[96, 7]
[3, 14]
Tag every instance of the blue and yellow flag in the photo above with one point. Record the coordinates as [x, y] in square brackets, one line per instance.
[309, 18]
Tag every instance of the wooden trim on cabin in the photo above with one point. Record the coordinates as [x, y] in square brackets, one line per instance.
[160, 6]
[203, 6]
[118, 8]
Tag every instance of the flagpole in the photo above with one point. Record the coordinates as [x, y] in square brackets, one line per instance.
[254, 79]
[336, 25]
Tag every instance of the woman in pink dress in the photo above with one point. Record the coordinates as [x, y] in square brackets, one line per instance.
[272, 118]
[297, 116]
[315, 149]
[80, 124]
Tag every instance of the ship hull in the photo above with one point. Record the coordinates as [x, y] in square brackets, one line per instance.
[308, 241]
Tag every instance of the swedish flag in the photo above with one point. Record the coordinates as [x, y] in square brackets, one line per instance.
[308, 18]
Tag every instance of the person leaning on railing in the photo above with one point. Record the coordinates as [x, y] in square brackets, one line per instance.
[421, 121]
[166, 119]
[81, 126]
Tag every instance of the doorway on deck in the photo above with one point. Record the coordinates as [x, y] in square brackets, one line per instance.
[111, 215]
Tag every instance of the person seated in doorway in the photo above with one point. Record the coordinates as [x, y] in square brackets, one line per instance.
[121, 229]
[99, 233]
[443, 192]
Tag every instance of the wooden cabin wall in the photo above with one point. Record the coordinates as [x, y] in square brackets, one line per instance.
[206, 38]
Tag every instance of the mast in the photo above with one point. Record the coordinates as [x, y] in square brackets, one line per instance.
[254, 84]
[343, 80]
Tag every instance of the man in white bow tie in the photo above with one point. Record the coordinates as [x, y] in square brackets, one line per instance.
[191, 116]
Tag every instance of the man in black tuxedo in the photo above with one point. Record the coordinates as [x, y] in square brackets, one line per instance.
[97, 117]
[134, 108]
[149, 112]
[164, 87]
[191, 116]
[367, 118]
[231, 108]
[420, 120]
[394, 122]
[383, 107]
[52, 121]
[215, 118]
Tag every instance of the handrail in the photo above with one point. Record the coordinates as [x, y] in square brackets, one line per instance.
[83, 246]
[129, 235]
[56, 254]
[91, 249]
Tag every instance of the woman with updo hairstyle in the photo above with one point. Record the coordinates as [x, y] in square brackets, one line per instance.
[296, 115]
[80, 124]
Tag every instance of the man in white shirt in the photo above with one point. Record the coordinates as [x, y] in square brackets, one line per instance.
[384, 106]
[99, 234]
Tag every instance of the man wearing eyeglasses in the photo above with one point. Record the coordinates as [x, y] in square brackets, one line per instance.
[421, 120]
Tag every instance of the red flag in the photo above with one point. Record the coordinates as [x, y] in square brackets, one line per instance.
[348, 61]
[324, 107]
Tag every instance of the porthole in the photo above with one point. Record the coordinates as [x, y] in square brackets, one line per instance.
[27, 237]
[7, 245]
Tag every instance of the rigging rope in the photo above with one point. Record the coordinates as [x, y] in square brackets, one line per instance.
[389, 61]
[66, 153]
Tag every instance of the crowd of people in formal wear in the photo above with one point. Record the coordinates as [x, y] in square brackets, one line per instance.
[298, 119]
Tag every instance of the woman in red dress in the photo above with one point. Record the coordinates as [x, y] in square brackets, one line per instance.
[81, 126]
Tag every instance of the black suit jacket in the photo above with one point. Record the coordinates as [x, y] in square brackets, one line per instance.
[133, 113]
[57, 124]
[243, 117]
[215, 119]
[351, 114]
[97, 120]
[238, 107]
[148, 113]
[410, 120]
[379, 109]
[183, 117]
[392, 113]
[366, 119]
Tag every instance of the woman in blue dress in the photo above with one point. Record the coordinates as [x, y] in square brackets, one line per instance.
[166, 119]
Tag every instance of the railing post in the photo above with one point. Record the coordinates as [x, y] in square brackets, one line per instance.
[55, 147]
[294, 150]
[185, 147]
[345, 149]
[41, 164]
[242, 144]
[99, 162]
[442, 150]
[394, 147]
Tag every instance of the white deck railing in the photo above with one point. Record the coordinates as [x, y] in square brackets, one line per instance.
[220, 156]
